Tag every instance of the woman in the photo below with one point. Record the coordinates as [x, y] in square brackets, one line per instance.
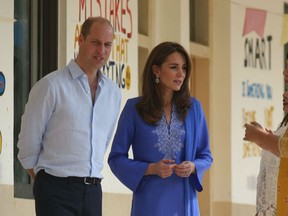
[268, 179]
[168, 134]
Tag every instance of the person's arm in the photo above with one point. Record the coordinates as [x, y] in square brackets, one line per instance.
[197, 145]
[262, 138]
[31, 173]
[129, 171]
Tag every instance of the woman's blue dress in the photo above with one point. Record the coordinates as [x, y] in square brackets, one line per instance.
[181, 141]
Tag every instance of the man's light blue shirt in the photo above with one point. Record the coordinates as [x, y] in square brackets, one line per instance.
[62, 131]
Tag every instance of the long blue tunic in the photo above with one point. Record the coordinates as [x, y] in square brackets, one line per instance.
[153, 195]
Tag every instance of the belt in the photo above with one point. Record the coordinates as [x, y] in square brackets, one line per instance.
[73, 179]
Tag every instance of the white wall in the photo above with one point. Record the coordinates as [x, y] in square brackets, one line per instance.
[256, 88]
[6, 89]
[232, 175]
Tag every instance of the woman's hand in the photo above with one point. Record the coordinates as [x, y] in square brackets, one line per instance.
[163, 168]
[185, 169]
[254, 133]
[264, 138]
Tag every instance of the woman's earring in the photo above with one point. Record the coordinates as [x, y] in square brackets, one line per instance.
[157, 80]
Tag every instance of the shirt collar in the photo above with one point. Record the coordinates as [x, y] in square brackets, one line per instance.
[77, 72]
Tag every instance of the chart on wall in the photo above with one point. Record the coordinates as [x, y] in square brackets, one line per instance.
[257, 86]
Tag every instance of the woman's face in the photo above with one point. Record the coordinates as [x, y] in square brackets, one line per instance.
[285, 101]
[172, 72]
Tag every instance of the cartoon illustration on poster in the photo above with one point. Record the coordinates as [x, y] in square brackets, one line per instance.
[2, 83]
[121, 66]
[0, 142]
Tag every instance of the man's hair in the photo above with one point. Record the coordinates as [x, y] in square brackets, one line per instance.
[85, 29]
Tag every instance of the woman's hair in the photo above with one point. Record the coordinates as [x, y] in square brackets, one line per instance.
[284, 121]
[150, 106]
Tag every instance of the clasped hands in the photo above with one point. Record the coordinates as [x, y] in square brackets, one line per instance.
[165, 168]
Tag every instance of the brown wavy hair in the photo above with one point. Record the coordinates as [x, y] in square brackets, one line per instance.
[150, 106]
[284, 121]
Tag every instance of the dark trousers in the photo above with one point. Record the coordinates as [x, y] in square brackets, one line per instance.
[56, 196]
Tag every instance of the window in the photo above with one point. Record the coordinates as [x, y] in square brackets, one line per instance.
[143, 20]
[35, 55]
[199, 21]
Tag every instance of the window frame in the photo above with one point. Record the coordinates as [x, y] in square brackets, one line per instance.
[41, 54]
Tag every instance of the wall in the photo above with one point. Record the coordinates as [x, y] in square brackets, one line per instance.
[257, 85]
[219, 77]
[122, 68]
[6, 93]
[242, 89]
[220, 127]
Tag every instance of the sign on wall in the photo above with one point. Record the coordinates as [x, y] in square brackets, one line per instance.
[257, 87]
[122, 67]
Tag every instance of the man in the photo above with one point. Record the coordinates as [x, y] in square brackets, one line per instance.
[67, 124]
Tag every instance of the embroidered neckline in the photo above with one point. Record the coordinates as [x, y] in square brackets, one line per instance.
[169, 135]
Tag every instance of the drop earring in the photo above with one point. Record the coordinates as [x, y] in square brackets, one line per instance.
[157, 80]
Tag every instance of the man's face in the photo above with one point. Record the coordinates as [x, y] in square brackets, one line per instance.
[95, 49]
